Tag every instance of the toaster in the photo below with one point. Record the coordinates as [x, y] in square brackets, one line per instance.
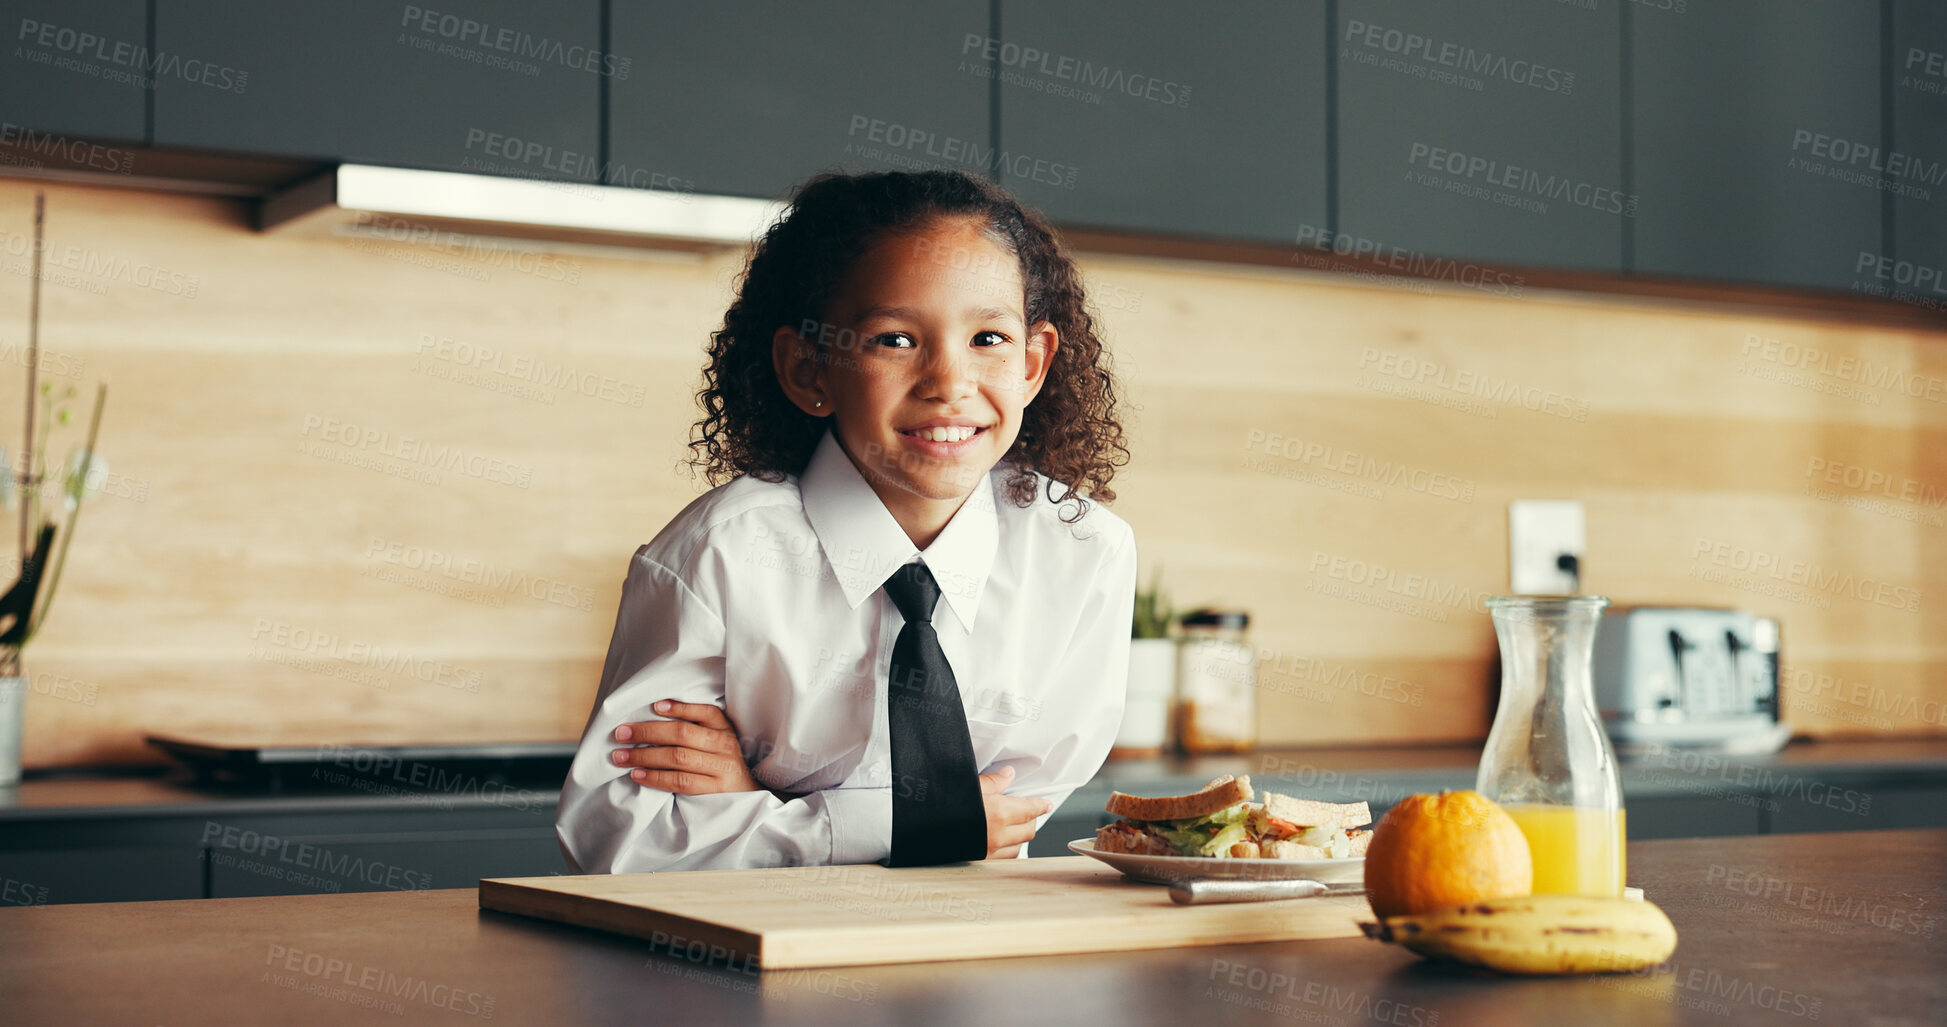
[1687, 676]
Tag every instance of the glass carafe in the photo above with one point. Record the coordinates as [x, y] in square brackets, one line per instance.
[1548, 761]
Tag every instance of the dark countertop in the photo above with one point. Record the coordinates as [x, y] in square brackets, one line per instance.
[1343, 774]
[1823, 927]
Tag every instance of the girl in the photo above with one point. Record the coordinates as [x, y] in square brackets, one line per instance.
[899, 633]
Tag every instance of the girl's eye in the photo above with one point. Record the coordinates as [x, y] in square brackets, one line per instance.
[996, 337]
[894, 340]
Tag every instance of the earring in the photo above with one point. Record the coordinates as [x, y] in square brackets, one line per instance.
[816, 403]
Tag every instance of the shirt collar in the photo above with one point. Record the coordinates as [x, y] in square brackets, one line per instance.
[864, 544]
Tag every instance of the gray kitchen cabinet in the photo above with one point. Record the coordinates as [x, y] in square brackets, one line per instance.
[213, 847]
[1753, 129]
[1689, 817]
[1183, 119]
[750, 98]
[1818, 805]
[1917, 75]
[487, 86]
[75, 70]
[130, 873]
[312, 864]
[1489, 132]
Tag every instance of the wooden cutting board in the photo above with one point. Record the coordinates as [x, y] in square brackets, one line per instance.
[792, 917]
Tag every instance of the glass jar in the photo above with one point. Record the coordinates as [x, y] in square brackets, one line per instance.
[1548, 761]
[1216, 683]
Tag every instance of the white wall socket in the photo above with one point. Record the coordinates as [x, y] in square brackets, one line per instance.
[1540, 533]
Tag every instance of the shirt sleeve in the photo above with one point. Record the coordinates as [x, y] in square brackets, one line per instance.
[669, 644]
[1095, 669]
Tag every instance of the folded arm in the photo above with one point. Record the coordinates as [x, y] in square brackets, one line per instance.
[668, 644]
[699, 754]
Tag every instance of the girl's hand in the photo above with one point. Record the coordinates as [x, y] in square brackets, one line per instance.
[1010, 818]
[695, 754]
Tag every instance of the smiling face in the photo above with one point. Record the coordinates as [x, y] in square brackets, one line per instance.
[929, 365]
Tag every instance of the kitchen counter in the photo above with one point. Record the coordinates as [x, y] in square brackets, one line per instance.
[79, 838]
[1337, 773]
[1659, 773]
[1825, 927]
[1808, 786]
[1827, 774]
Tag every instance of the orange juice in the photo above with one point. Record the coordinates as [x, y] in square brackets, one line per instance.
[1577, 850]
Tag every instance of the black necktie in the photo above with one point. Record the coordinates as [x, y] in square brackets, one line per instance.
[937, 812]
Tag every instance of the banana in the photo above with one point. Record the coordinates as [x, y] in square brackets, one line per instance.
[1538, 934]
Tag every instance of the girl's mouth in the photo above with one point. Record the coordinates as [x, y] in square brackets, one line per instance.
[943, 440]
[944, 433]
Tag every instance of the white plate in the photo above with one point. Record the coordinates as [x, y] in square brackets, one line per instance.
[1164, 869]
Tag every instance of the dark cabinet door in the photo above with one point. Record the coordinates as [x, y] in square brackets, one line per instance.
[1917, 73]
[305, 865]
[1678, 816]
[1167, 117]
[1755, 129]
[1490, 131]
[749, 98]
[490, 86]
[77, 69]
[1866, 806]
[118, 873]
[1154, 116]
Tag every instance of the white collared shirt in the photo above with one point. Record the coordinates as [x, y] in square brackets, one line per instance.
[764, 598]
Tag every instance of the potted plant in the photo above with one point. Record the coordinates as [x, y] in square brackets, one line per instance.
[41, 495]
[1152, 675]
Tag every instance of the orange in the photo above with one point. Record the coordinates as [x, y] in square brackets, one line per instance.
[1448, 849]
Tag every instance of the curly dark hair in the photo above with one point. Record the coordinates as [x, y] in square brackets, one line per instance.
[1069, 433]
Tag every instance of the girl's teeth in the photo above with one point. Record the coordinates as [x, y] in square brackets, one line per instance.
[943, 433]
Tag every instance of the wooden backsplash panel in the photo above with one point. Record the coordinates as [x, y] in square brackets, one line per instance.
[1670, 439]
[252, 525]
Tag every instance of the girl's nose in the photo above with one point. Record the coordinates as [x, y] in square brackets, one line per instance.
[947, 375]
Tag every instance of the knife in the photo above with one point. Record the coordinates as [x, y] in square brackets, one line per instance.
[1191, 891]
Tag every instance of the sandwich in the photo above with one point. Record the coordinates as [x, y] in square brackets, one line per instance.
[1206, 822]
[1287, 828]
[1224, 819]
